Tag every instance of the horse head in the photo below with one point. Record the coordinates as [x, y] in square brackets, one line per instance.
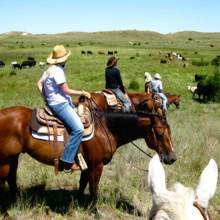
[158, 137]
[145, 102]
[180, 202]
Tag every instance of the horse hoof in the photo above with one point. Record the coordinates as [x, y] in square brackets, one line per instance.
[7, 216]
[96, 213]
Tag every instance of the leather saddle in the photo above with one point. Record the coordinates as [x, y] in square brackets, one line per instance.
[44, 122]
[113, 103]
[157, 98]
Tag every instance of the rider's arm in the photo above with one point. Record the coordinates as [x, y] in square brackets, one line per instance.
[41, 82]
[65, 88]
[40, 85]
[120, 81]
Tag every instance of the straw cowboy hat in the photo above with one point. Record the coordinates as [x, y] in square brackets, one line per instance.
[112, 61]
[157, 76]
[147, 77]
[58, 55]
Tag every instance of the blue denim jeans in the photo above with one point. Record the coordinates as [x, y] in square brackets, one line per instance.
[72, 122]
[122, 97]
[164, 101]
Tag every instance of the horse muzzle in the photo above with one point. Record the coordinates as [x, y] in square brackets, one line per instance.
[168, 158]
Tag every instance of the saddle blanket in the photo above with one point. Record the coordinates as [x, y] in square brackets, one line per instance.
[60, 138]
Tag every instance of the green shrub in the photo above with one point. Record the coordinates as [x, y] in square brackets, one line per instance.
[200, 63]
[216, 61]
[134, 85]
[214, 82]
[12, 73]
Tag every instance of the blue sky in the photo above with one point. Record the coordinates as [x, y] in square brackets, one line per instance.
[164, 16]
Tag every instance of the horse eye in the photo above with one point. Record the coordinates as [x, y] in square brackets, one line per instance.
[160, 132]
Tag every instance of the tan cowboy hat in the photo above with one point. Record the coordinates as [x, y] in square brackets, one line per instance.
[58, 55]
[157, 76]
[147, 77]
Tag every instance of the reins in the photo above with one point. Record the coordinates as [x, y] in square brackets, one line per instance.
[141, 150]
[92, 103]
[138, 168]
[94, 112]
[135, 145]
[202, 210]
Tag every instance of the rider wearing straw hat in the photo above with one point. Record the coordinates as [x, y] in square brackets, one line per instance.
[148, 82]
[56, 92]
[157, 87]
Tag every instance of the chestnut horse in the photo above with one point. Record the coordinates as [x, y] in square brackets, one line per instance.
[140, 101]
[173, 99]
[111, 131]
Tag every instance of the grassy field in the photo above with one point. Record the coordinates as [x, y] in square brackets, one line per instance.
[123, 188]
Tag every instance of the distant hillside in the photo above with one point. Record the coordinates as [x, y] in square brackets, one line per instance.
[110, 37]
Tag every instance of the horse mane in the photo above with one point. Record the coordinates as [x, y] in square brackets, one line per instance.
[118, 120]
[128, 117]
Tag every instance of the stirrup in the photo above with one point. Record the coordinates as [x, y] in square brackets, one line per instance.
[82, 163]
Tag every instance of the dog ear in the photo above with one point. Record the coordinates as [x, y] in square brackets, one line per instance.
[207, 183]
[156, 176]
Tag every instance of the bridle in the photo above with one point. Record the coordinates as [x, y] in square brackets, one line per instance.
[202, 210]
[152, 129]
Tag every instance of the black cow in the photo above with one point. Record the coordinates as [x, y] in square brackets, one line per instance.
[2, 64]
[17, 66]
[83, 52]
[163, 61]
[199, 77]
[110, 52]
[28, 63]
[30, 58]
[206, 91]
[89, 52]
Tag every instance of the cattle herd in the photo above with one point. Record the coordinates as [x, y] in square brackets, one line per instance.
[89, 52]
[28, 63]
[203, 91]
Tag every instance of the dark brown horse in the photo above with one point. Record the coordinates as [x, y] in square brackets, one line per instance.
[111, 131]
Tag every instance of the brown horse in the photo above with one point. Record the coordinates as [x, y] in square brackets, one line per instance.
[111, 131]
[173, 99]
[140, 101]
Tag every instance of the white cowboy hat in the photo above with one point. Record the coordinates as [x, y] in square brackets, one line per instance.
[147, 77]
[58, 55]
[157, 76]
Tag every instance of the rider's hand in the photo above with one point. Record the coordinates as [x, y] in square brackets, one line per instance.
[86, 94]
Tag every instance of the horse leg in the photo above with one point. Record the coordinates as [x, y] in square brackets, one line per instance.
[94, 177]
[84, 179]
[12, 176]
[4, 170]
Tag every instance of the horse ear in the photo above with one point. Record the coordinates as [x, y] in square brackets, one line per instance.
[207, 183]
[156, 176]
